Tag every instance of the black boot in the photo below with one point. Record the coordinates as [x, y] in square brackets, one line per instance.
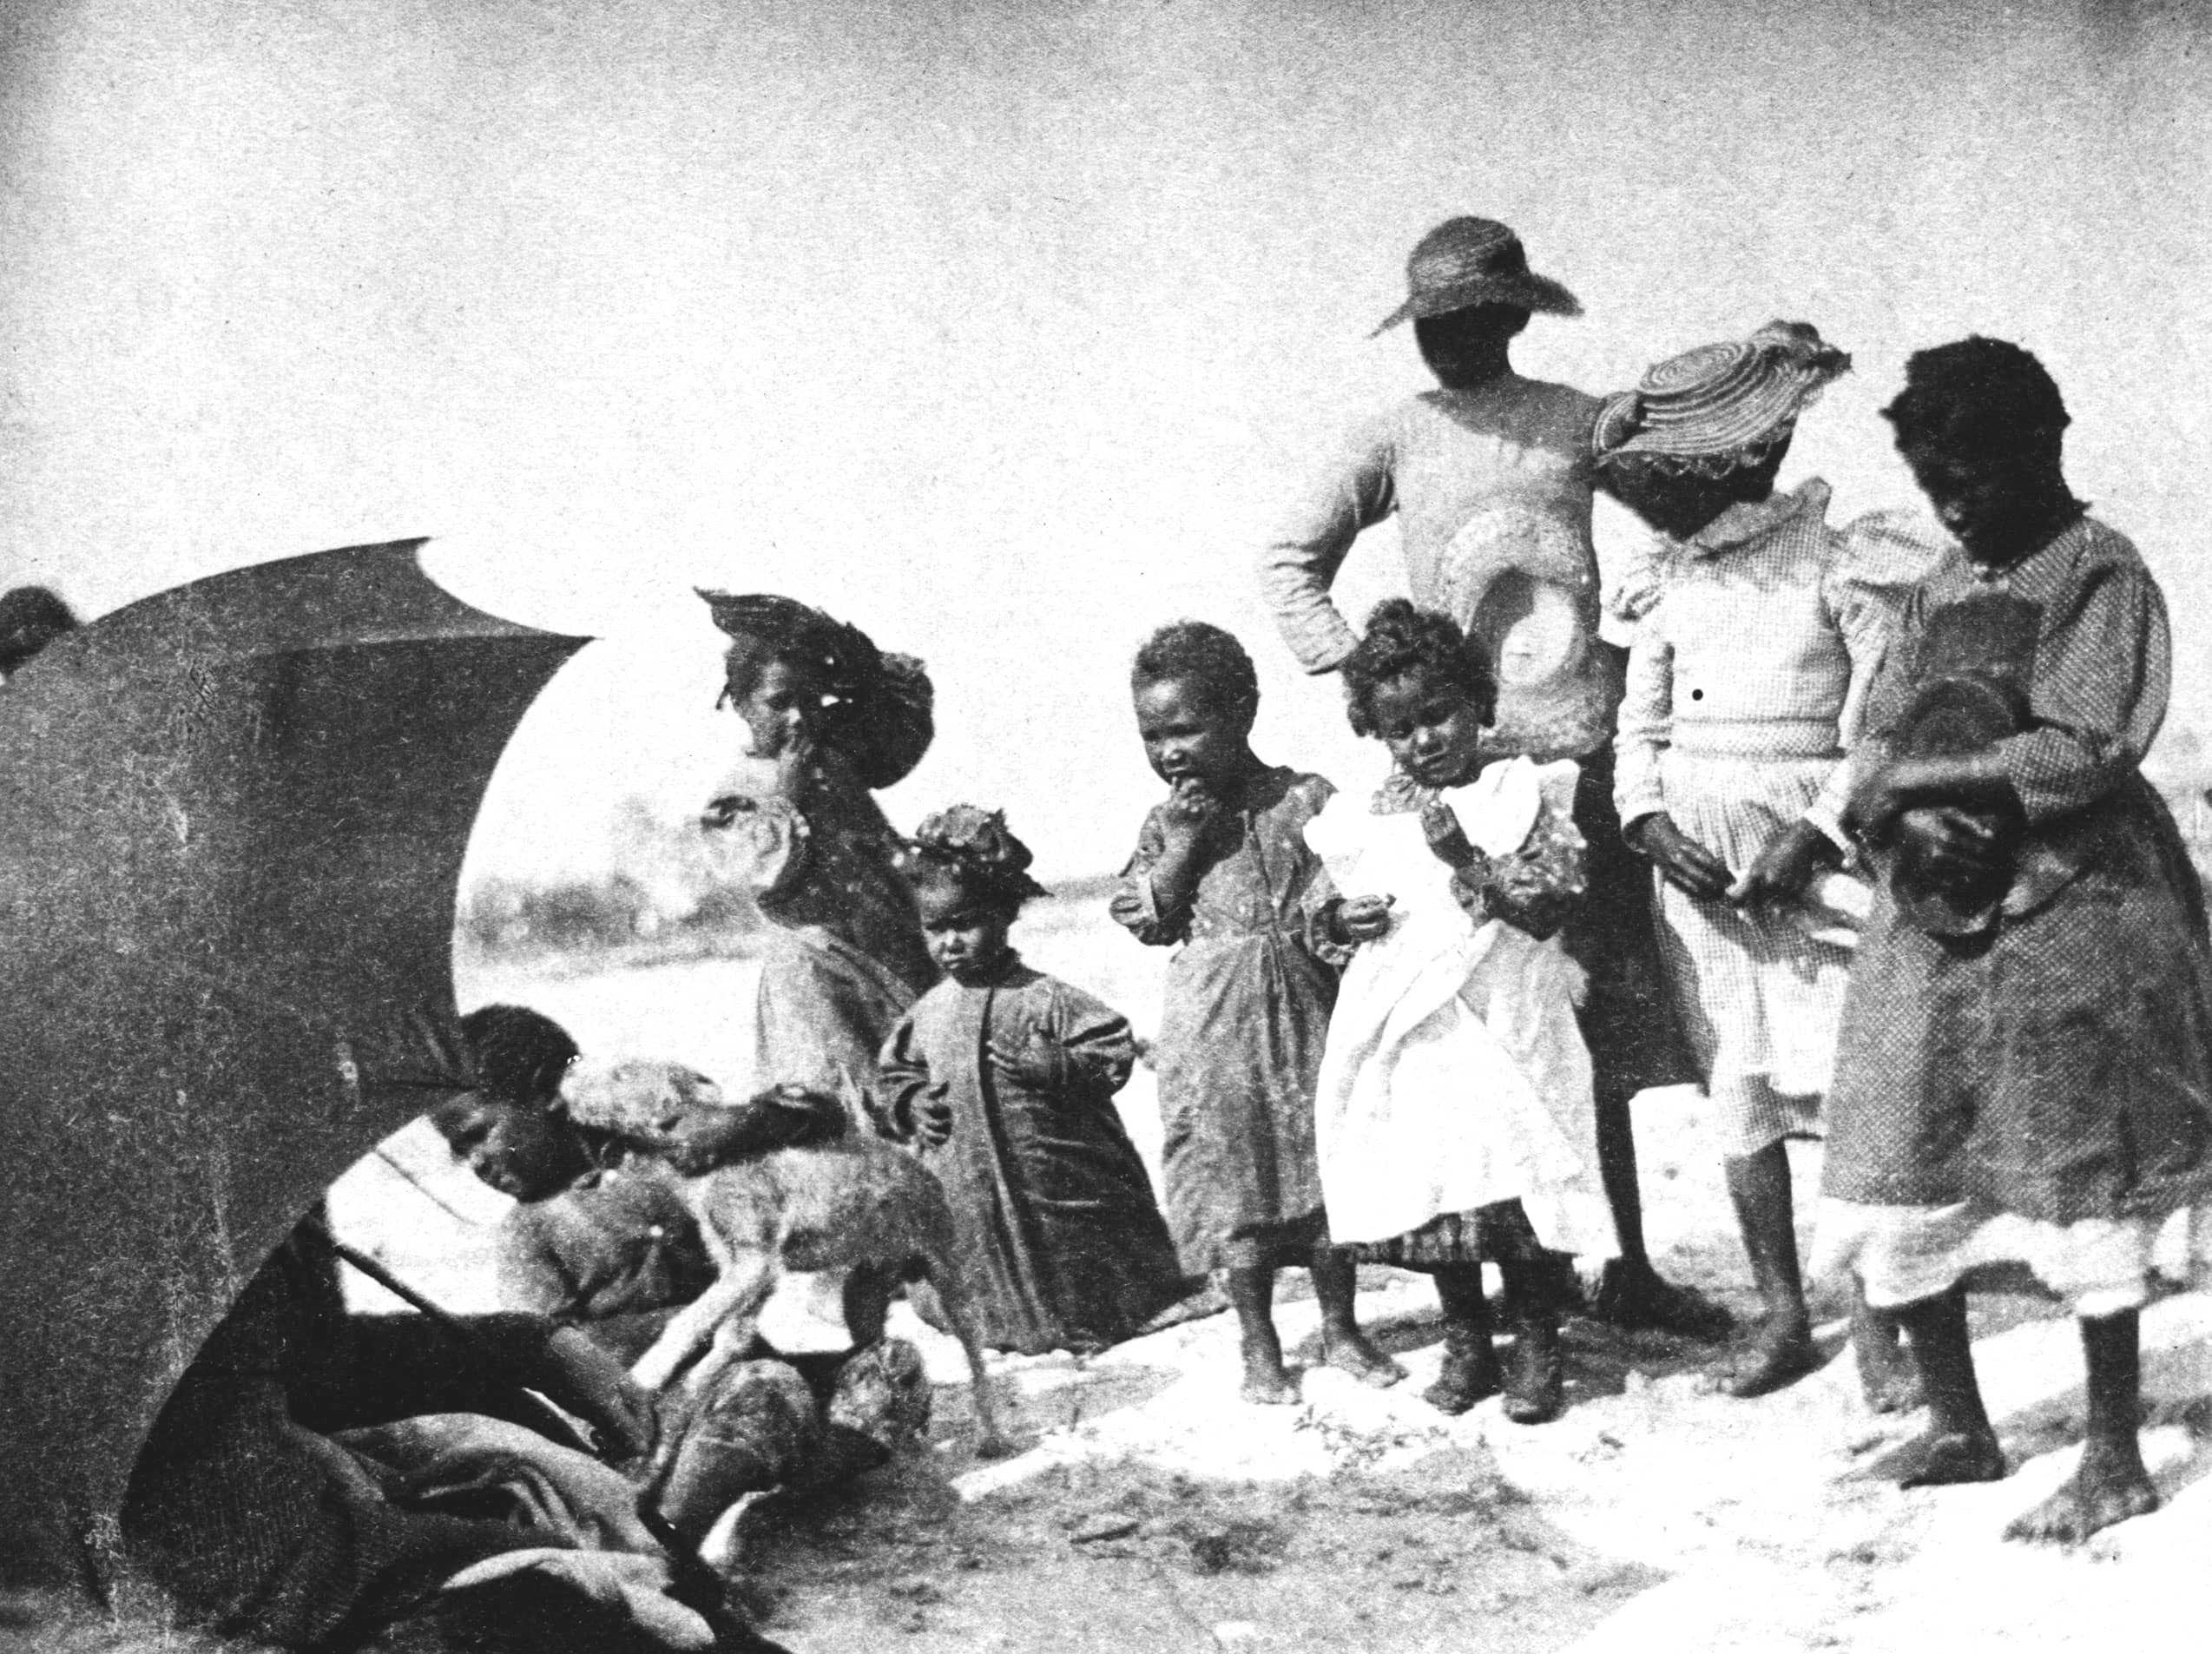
[1471, 1370]
[1536, 1376]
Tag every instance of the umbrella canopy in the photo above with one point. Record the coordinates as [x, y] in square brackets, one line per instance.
[232, 818]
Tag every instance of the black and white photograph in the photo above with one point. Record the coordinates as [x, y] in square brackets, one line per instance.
[1039, 827]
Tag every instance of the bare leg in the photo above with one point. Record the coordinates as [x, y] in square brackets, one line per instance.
[1632, 1293]
[1336, 1282]
[1889, 1376]
[1469, 1370]
[1960, 1446]
[2111, 1484]
[1253, 1294]
[1781, 1351]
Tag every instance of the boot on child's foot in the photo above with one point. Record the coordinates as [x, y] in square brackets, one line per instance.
[1470, 1373]
[1536, 1377]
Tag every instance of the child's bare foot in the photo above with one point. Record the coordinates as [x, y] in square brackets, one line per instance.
[1352, 1352]
[2110, 1486]
[1266, 1381]
[1634, 1296]
[1943, 1457]
[1779, 1354]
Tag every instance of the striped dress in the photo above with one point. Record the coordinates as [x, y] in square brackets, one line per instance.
[1745, 685]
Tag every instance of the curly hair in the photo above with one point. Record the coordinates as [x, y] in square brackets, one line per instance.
[1191, 651]
[521, 1055]
[975, 849]
[30, 618]
[1401, 639]
[1984, 395]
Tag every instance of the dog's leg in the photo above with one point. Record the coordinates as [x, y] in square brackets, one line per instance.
[991, 1442]
[724, 1311]
[867, 1303]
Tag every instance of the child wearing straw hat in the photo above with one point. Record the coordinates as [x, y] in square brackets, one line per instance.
[1490, 477]
[1744, 687]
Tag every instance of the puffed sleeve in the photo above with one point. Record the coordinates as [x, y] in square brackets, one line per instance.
[1318, 894]
[756, 841]
[1880, 561]
[1086, 1044]
[902, 1076]
[1135, 906]
[2103, 669]
[1300, 562]
[1645, 725]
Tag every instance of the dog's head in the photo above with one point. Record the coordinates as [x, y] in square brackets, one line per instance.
[635, 1097]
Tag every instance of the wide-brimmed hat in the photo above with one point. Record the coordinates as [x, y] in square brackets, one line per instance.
[1468, 261]
[1718, 400]
[883, 705]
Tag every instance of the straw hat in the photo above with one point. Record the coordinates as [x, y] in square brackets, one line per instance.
[883, 705]
[1468, 261]
[1721, 400]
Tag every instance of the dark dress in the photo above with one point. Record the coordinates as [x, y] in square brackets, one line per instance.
[2054, 1068]
[843, 954]
[1061, 1243]
[1241, 1030]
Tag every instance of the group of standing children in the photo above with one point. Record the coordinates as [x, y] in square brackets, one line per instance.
[1405, 1027]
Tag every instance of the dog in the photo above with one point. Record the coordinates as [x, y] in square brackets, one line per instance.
[854, 1206]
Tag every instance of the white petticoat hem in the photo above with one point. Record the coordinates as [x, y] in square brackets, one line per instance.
[2100, 1266]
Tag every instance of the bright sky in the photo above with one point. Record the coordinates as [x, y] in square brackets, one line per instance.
[998, 327]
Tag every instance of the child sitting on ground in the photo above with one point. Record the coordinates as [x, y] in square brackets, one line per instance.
[1007, 1077]
[1455, 1116]
[1223, 871]
[601, 1239]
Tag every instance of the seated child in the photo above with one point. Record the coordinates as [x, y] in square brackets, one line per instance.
[1454, 1114]
[1222, 874]
[601, 1239]
[1007, 1077]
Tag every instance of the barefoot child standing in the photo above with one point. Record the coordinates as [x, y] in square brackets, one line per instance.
[1744, 689]
[1007, 1077]
[2026, 1050]
[1455, 1117]
[1222, 869]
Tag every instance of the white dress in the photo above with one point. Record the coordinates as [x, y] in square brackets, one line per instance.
[1454, 1076]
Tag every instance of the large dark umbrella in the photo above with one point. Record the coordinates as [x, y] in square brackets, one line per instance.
[232, 819]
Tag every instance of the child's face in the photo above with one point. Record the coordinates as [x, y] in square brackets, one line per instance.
[966, 935]
[1675, 503]
[524, 1152]
[1993, 503]
[1189, 735]
[1433, 728]
[781, 709]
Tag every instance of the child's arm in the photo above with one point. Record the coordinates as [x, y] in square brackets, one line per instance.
[1078, 1043]
[1152, 902]
[909, 1102]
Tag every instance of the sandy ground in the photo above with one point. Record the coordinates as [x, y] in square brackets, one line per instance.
[1149, 1508]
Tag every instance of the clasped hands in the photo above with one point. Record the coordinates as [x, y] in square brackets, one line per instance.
[1781, 872]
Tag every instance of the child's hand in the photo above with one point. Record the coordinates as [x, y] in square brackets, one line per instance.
[1036, 1060]
[1688, 865]
[1446, 841]
[1362, 918]
[933, 1120]
[1784, 866]
[1192, 810]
